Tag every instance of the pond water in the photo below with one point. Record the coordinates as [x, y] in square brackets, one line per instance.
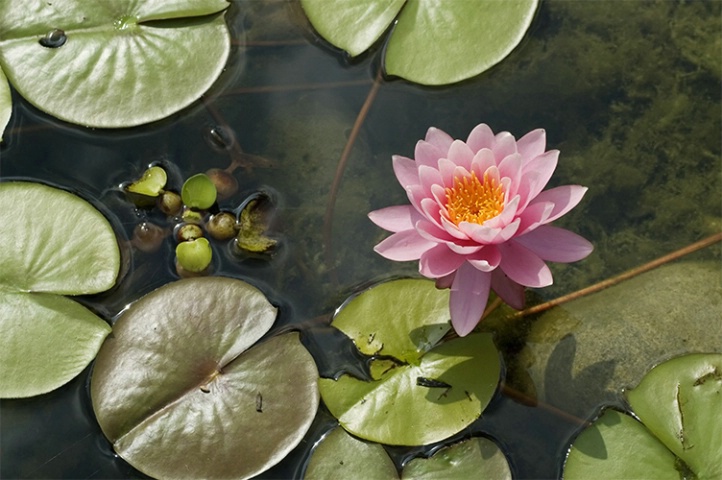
[627, 91]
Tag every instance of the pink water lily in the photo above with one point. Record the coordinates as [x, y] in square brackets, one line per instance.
[478, 217]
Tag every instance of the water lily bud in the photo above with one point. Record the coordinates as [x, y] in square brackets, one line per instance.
[226, 184]
[222, 226]
[170, 203]
[148, 237]
[187, 232]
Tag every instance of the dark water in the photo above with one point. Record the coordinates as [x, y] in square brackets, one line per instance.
[628, 91]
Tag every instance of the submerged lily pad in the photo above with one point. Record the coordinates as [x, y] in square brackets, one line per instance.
[54, 243]
[339, 455]
[6, 105]
[433, 42]
[181, 392]
[678, 403]
[420, 392]
[115, 64]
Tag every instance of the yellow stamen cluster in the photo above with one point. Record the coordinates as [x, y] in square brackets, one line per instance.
[471, 200]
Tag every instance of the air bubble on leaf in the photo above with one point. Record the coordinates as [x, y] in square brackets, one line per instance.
[54, 39]
[220, 138]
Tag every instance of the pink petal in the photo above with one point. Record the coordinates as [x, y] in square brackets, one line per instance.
[533, 216]
[445, 282]
[480, 137]
[406, 170]
[483, 159]
[504, 145]
[462, 249]
[532, 144]
[433, 233]
[486, 235]
[469, 293]
[439, 138]
[523, 266]
[511, 292]
[460, 154]
[564, 199]
[429, 176]
[404, 246]
[543, 167]
[428, 154]
[506, 216]
[439, 261]
[431, 210]
[510, 167]
[446, 169]
[487, 259]
[396, 218]
[556, 244]
[452, 229]
[416, 194]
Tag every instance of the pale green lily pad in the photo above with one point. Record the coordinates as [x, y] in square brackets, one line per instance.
[678, 403]
[194, 255]
[339, 455]
[53, 243]
[123, 63]
[403, 318]
[199, 192]
[473, 459]
[181, 391]
[433, 42]
[6, 103]
[151, 183]
[395, 409]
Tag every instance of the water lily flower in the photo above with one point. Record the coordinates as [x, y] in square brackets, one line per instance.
[479, 216]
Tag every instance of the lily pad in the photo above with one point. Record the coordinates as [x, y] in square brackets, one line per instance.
[194, 255]
[181, 392]
[433, 42]
[339, 455]
[120, 64]
[679, 433]
[199, 192]
[6, 103]
[53, 243]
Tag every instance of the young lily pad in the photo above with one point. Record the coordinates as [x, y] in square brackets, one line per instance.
[403, 318]
[433, 42]
[253, 224]
[339, 455]
[54, 243]
[199, 192]
[151, 183]
[420, 403]
[680, 433]
[6, 104]
[471, 459]
[181, 392]
[119, 66]
[194, 255]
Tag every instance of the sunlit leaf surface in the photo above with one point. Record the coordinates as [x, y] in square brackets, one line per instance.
[112, 64]
[476, 458]
[680, 433]
[53, 242]
[434, 42]
[181, 392]
[6, 105]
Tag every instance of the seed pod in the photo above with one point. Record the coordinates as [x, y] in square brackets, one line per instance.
[226, 184]
[187, 232]
[170, 203]
[148, 237]
[222, 226]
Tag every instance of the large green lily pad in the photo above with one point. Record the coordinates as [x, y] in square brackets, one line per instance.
[421, 391]
[6, 105]
[53, 243]
[123, 63]
[339, 455]
[181, 392]
[433, 42]
[679, 433]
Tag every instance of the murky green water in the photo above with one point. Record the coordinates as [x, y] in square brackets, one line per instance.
[628, 91]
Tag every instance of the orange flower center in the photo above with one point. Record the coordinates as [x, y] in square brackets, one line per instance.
[475, 201]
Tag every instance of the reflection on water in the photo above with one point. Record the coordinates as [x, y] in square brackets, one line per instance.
[628, 91]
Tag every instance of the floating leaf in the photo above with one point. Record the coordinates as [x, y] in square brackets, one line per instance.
[471, 459]
[433, 42]
[199, 192]
[680, 433]
[252, 226]
[53, 243]
[194, 255]
[403, 318]
[339, 455]
[119, 66]
[6, 103]
[181, 393]
[151, 183]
